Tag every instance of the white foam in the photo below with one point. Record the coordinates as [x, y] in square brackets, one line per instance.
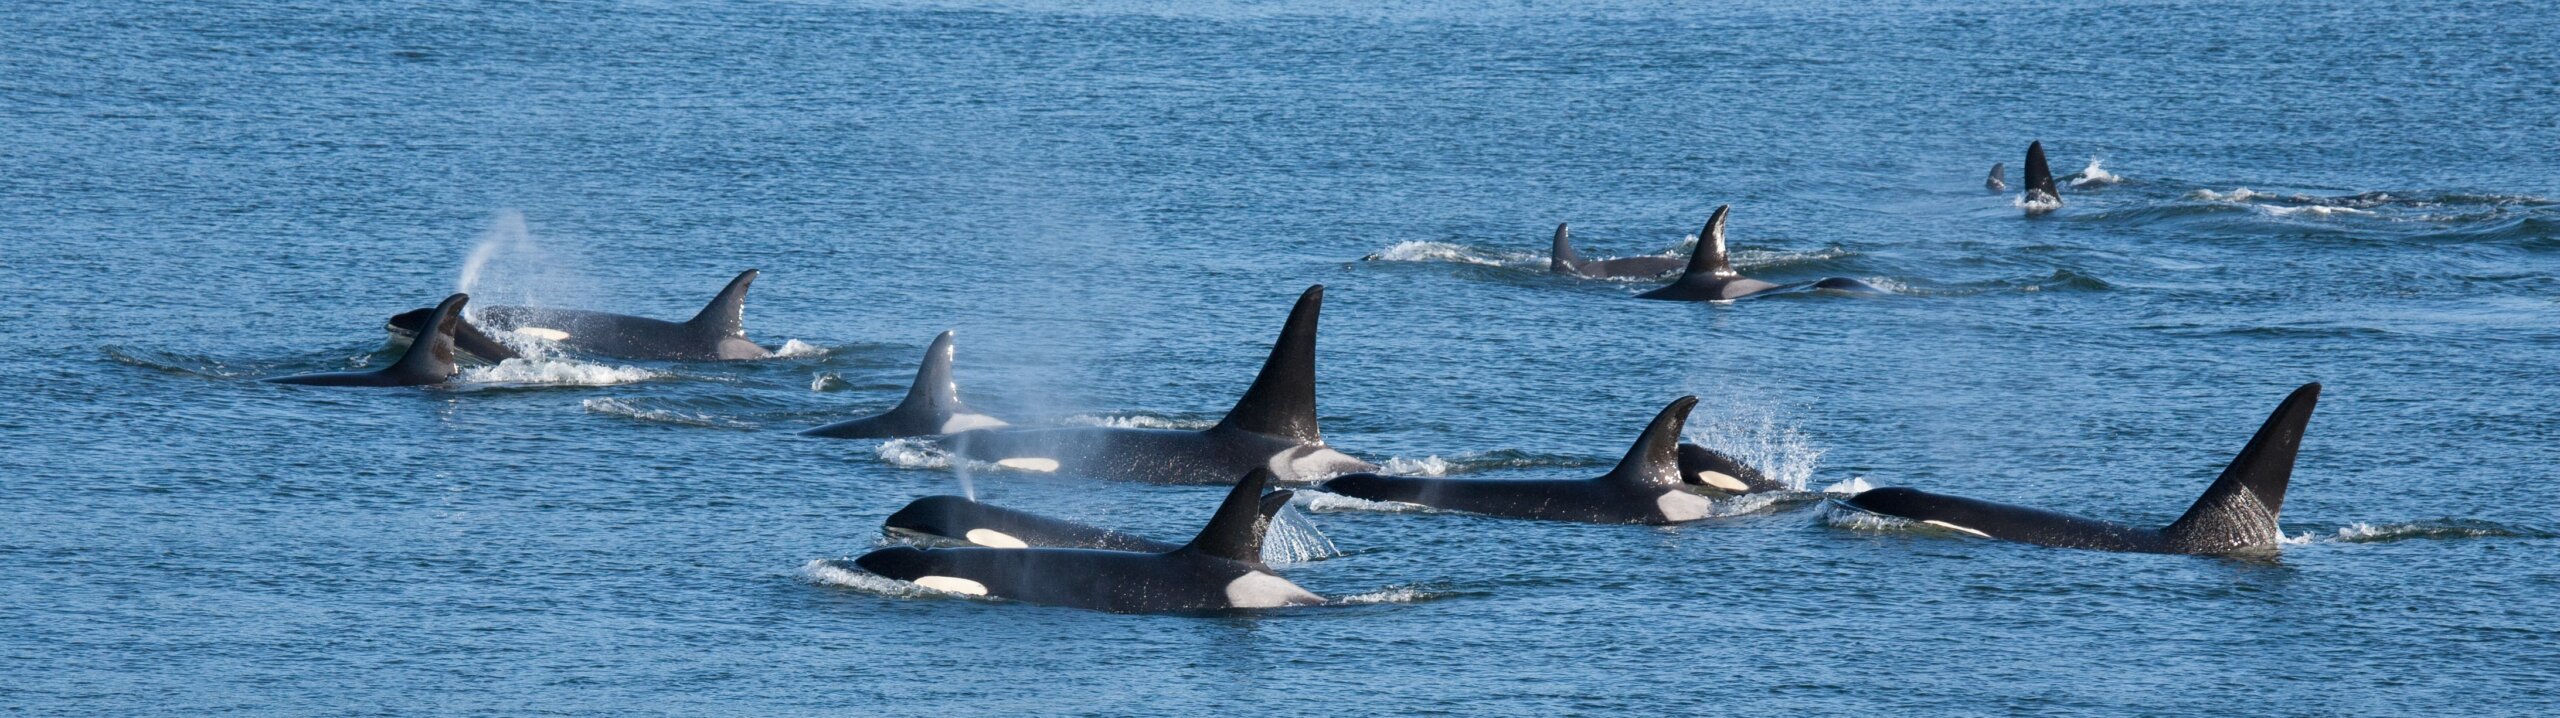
[1756, 435]
[2043, 205]
[914, 453]
[1135, 422]
[823, 382]
[2314, 210]
[1325, 502]
[1425, 466]
[2095, 175]
[794, 349]
[1854, 486]
[1390, 594]
[1446, 252]
[2241, 194]
[621, 408]
[1849, 518]
[558, 372]
[830, 574]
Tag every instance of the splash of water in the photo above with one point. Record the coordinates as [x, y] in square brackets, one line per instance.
[506, 233]
[1293, 539]
[1757, 436]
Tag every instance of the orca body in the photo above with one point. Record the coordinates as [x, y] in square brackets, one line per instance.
[1563, 260]
[1646, 487]
[1219, 570]
[1273, 427]
[959, 521]
[1710, 276]
[717, 332]
[1994, 182]
[2237, 514]
[1702, 466]
[425, 362]
[932, 406]
[2041, 193]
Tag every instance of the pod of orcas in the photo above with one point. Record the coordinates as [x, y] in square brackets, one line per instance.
[1271, 437]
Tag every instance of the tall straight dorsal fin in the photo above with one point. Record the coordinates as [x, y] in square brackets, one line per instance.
[1282, 401]
[2238, 512]
[2037, 175]
[1235, 532]
[430, 355]
[1654, 461]
[1708, 260]
[934, 391]
[726, 314]
[1562, 258]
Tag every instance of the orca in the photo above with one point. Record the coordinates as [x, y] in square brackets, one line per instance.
[2041, 194]
[425, 362]
[1563, 260]
[717, 332]
[1994, 182]
[957, 520]
[1710, 276]
[2237, 514]
[1273, 426]
[932, 406]
[1221, 569]
[1646, 488]
[1702, 466]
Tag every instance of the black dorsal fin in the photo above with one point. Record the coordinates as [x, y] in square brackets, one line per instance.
[1235, 532]
[2037, 176]
[430, 356]
[2239, 511]
[1282, 401]
[1654, 461]
[1708, 260]
[726, 314]
[1562, 259]
[1998, 180]
[934, 392]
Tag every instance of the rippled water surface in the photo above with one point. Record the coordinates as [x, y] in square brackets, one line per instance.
[1114, 204]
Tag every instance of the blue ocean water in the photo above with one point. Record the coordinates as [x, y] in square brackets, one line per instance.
[1114, 203]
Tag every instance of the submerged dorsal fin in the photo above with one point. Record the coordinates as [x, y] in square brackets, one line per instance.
[1282, 401]
[726, 314]
[1708, 260]
[2037, 175]
[1997, 181]
[430, 356]
[1562, 258]
[1654, 461]
[1235, 532]
[2239, 511]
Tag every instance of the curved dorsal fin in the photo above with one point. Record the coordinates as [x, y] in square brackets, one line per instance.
[1562, 258]
[1235, 532]
[1654, 461]
[1282, 401]
[934, 390]
[2239, 510]
[726, 314]
[1708, 259]
[430, 356]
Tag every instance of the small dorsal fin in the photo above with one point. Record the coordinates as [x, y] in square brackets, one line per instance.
[1654, 461]
[726, 314]
[1708, 260]
[1235, 531]
[1562, 258]
[430, 356]
[1997, 181]
[1282, 401]
[2037, 175]
[2238, 512]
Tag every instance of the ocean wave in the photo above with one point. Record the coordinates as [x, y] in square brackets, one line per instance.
[823, 381]
[843, 574]
[2095, 176]
[1419, 251]
[1326, 502]
[628, 409]
[1136, 421]
[555, 372]
[796, 349]
[178, 363]
[1394, 594]
[2361, 532]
